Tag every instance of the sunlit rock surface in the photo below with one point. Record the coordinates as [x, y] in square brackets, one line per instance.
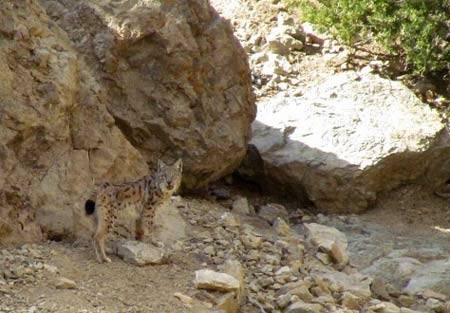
[347, 139]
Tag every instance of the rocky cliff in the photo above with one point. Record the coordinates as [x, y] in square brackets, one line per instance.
[125, 85]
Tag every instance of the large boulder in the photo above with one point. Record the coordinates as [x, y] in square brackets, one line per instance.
[57, 138]
[347, 139]
[177, 81]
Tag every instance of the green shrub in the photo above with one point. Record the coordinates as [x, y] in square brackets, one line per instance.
[418, 30]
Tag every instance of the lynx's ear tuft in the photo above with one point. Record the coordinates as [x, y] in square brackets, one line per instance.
[178, 164]
[161, 165]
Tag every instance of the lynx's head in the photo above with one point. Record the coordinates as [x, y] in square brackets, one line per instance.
[168, 177]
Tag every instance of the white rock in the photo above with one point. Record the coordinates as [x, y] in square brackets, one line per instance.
[283, 270]
[65, 283]
[258, 57]
[139, 253]
[51, 268]
[385, 307]
[211, 280]
[302, 307]
[276, 64]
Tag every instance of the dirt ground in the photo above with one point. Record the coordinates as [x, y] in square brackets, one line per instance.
[113, 287]
[408, 216]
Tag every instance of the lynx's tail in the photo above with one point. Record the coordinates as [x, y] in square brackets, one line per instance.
[89, 206]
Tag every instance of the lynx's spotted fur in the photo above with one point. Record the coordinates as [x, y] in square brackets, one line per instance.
[145, 195]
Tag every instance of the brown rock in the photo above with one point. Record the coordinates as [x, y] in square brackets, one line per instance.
[56, 136]
[229, 303]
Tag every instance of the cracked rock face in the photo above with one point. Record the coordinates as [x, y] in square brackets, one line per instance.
[177, 81]
[56, 136]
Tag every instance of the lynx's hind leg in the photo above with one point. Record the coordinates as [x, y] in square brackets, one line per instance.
[105, 222]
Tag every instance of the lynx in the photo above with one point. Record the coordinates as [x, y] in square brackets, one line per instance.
[144, 195]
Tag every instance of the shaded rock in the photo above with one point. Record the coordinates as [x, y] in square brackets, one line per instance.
[376, 135]
[139, 253]
[211, 280]
[221, 193]
[241, 206]
[271, 211]
[281, 227]
[176, 79]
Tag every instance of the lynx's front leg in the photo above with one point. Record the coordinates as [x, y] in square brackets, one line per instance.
[145, 222]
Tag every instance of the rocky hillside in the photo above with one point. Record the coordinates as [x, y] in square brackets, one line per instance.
[97, 92]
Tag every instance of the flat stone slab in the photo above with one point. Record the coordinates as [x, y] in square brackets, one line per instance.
[211, 280]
